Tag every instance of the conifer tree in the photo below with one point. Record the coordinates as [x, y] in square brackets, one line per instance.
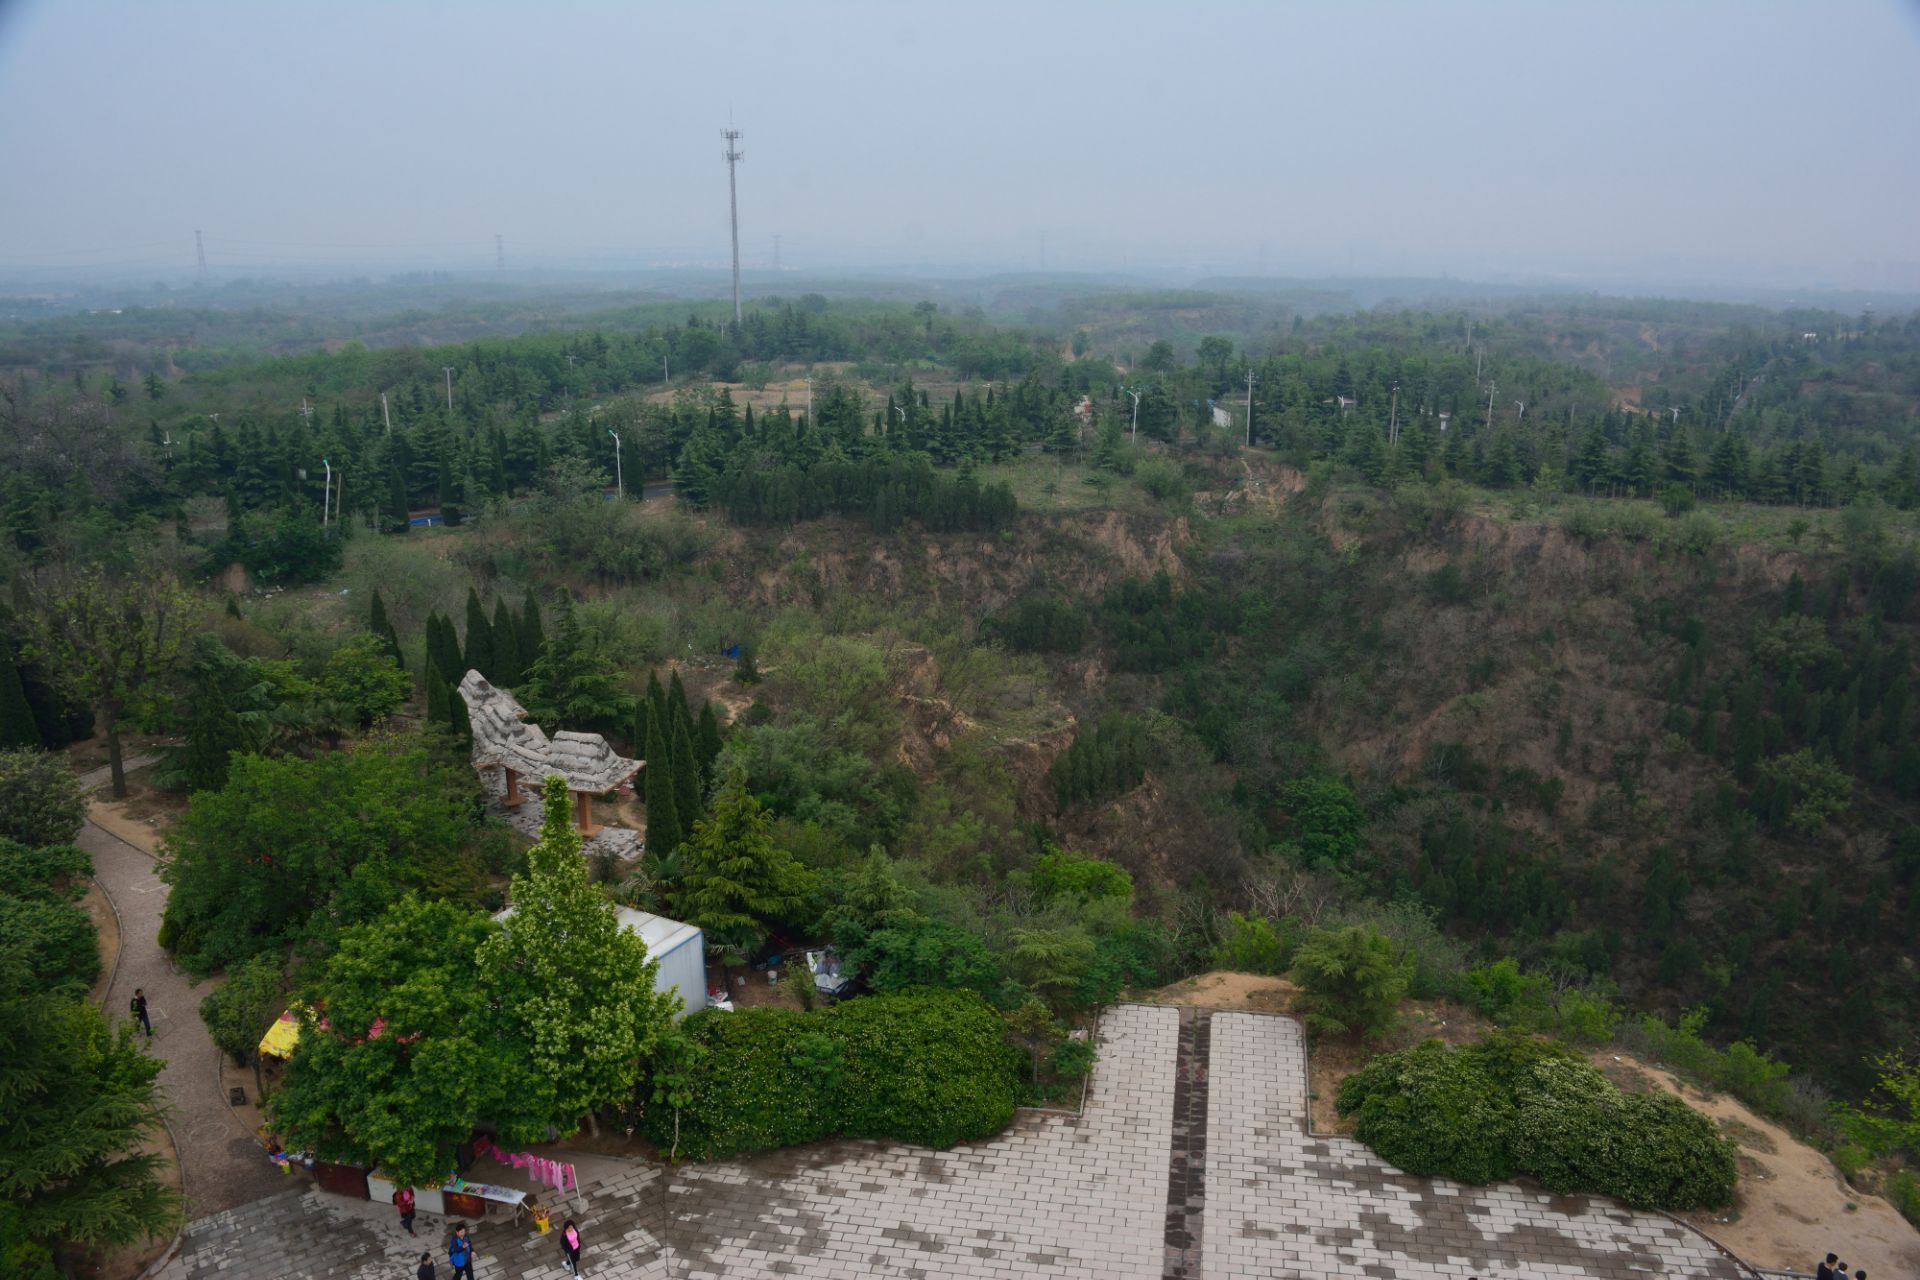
[459, 720]
[506, 647]
[572, 685]
[436, 693]
[664, 832]
[677, 700]
[656, 698]
[480, 655]
[686, 774]
[397, 516]
[736, 879]
[642, 719]
[708, 744]
[382, 627]
[445, 648]
[17, 725]
[214, 734]
[745, 672]
[533, 636]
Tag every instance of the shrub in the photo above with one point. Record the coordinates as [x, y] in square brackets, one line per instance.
[1351, 980]
[1250, 944]
[1676, 500]
[1432, 1111]
[1515, 1104]
[923, 1067]
[41, 802]
[239, 1011]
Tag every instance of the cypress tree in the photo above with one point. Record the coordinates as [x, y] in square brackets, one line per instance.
[17, 725]
[642, 720]
[397, 515]
[708, 744]
[686, 776]
[533, 636]
[663, 816]
[212, 738]
[446, 649]
[677, 700]
[506, 647]
[480, 655]
[436, 692]
[382, 627]
[656, 698]
[458, 720]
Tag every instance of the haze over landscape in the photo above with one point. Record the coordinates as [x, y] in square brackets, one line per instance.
[1608, 143]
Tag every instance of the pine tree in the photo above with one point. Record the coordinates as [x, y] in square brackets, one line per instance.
[214, 734]
[506, 648]
[446, 649]
[17, 725]
[708, 743]
[572, 685]
[664, 832]
[657, 700]
[533, 636]
[736, 879]
[480, 654]
[686, 774]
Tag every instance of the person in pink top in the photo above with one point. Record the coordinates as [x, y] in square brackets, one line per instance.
[570, 1245]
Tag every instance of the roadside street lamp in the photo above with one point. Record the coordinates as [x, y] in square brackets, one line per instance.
[1136, 414]
[619, 477]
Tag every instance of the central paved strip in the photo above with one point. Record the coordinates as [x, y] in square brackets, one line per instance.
[1187, 1157]
[1283, 1203]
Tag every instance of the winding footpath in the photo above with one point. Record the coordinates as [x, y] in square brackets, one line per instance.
[220, 1163]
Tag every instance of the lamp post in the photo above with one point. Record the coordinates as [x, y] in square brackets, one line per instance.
[448, 370]
[326, 500]
[619, 477]
[1135, 437]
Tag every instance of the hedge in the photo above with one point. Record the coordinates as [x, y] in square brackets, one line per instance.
[1510, 1104]
[926, 1067]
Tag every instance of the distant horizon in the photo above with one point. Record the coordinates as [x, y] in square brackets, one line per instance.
[1610, 143]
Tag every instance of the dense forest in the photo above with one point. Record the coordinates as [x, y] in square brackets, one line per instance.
[1050, 688]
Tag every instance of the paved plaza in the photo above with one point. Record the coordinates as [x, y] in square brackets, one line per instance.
[1192, 1159]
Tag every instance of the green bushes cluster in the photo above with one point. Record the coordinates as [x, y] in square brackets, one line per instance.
[1512, 1104]
[925, 1067]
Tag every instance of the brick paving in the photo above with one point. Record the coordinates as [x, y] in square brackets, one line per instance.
[1239, 1189]
[1283, 1203]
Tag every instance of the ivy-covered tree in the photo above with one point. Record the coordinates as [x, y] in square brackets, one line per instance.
[573, 988]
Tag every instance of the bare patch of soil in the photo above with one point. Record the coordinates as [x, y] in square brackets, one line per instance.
[1791, 1206]
[1225, 989]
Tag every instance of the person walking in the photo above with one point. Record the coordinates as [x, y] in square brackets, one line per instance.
[460, 1254]
[403, 1201]
[138, 1006]
[426, 1267]
[1825, 1270]
[570, 1246]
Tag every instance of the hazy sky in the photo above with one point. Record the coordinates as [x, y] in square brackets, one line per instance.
[1758, 141]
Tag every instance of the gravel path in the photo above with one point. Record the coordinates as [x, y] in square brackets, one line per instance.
[221, 1164]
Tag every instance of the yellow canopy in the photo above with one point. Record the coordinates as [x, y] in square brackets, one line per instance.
[284, 1034]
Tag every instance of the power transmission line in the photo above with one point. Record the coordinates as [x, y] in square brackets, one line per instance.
[733, 157]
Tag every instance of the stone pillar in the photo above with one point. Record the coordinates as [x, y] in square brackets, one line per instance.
[583, 813]
[514, 798]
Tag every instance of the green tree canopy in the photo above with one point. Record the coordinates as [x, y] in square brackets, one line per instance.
[1351, 980]
[409, 1059]
[41, 802]
[572, 685]
[573, 989]
[362, 679]
[292, 850]
[80, 1105]
[736, 878]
